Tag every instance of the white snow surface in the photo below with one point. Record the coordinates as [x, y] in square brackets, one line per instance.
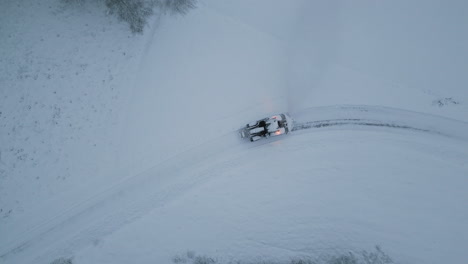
[121, 148]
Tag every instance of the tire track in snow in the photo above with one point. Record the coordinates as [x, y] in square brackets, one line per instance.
[379, 117]
[356, 122]
[121, 203]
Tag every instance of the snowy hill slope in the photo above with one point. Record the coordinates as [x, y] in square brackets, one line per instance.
[119, 148]
[407, 176]
[326, 191]
[409, 55]
[61, 85]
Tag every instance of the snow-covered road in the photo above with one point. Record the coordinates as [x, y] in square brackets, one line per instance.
[128, 200]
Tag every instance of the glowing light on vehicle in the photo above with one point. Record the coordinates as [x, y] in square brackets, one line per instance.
[278, 132]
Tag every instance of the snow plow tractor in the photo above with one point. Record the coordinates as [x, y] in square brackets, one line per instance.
[268, 127]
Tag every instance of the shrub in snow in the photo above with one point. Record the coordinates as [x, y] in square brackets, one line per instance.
[62, 261]
[190, 257]
[203, 260]
[73, 2]
[349, 258]
[376, 256]
[177, 6]
[134, 12]
[137, 12]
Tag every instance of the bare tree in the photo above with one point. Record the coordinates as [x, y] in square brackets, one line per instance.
[178, 6]
[137, 12]
[134, 12]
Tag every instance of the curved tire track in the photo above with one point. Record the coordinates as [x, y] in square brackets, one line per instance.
[356, 122]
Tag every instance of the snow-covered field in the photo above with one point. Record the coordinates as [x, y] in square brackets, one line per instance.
[121, 148]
